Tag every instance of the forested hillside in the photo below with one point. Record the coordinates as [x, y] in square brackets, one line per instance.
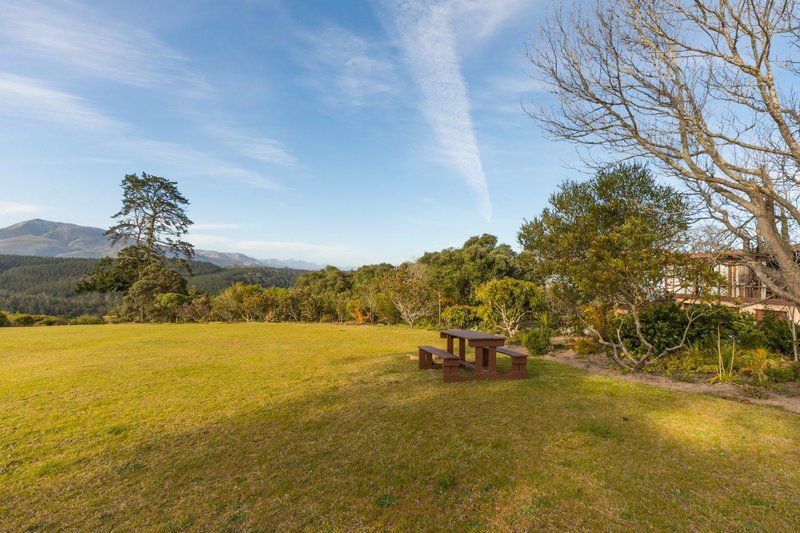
[45, 285]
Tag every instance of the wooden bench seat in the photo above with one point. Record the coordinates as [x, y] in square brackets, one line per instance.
[519, 361]
[509, 351]
[449, 365]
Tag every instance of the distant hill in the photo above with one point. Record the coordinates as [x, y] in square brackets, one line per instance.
[45, 238]
[46, 285]
[53, 239]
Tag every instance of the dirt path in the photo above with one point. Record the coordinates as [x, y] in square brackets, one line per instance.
[600, 365]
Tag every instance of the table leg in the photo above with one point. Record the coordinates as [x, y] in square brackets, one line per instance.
[462, 349]
[492, 359]
[478, 359]
[449, 344]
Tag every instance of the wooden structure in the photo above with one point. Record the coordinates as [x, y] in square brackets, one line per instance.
[740, 287]
[486, 345]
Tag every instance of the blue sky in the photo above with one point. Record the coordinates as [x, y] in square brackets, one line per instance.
[341, 132]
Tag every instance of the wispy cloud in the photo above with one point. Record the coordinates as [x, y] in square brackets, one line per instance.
[428, 38]
[261, 149]
[348, 68]
[14, 208]
[475, 21]
[192, 162]
[30, 99]
[72, 34]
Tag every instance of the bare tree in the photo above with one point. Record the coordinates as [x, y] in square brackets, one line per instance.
[706, 89]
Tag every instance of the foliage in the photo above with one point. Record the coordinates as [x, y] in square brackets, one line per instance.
[140, 303]
[46, 285]
[695, 358]
[152, 217]
[86, 320]
[461, 317]
[240, 302]
[506, 303]
[149, 225]
[609, 243]
[726, 361]
[536, 341]
[218, 279]
[456, 273]
[586, 346]
[782, 370]
[662, 324]
[756, 362]
[198, 308]
[409, 288]
[777, 335]
[25, 319]
[4, 321]
[368, 295]
[117, 274]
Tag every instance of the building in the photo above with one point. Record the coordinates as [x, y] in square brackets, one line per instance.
[743, 289]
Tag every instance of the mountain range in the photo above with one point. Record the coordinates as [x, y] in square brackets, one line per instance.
[58, 239]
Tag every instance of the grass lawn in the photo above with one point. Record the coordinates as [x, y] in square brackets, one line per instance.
[315, 426]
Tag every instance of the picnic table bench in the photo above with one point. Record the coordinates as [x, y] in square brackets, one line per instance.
[486, 348]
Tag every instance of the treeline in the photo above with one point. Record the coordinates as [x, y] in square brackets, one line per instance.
[482, 283]
[46, 285]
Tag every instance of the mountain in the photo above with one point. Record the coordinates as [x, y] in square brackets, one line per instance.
[53, 239]
[58, 239]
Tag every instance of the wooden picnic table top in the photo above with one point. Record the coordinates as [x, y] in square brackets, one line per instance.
[470, 335]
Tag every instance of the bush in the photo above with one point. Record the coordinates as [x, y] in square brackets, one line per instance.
[4, 321]
[86, 320]
[734, 326]
[461, 317]
[426, 323]
[586, 346]
[782, 371]
[537, 341]
[693, 360]
[777, 334]
[53, 321]
[663, 324]
[23, 319]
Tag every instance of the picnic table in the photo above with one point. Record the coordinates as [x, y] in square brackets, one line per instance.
[486, 347]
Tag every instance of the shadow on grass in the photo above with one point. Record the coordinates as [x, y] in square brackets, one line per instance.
[394, 447]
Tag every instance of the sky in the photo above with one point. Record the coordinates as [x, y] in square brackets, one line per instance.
[339, 132]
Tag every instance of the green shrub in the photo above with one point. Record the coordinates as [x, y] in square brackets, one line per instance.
[4, 321]
[86, 320]
[694, 359]
[663, 324]
[782, 370]
[777, 334]
[23, 319]
[586, 346]
[536, 341]
[426, 323]
[734, 326]
[461, 317]
[53, 321]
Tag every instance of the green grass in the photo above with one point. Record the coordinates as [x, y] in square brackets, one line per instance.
[286, 427]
